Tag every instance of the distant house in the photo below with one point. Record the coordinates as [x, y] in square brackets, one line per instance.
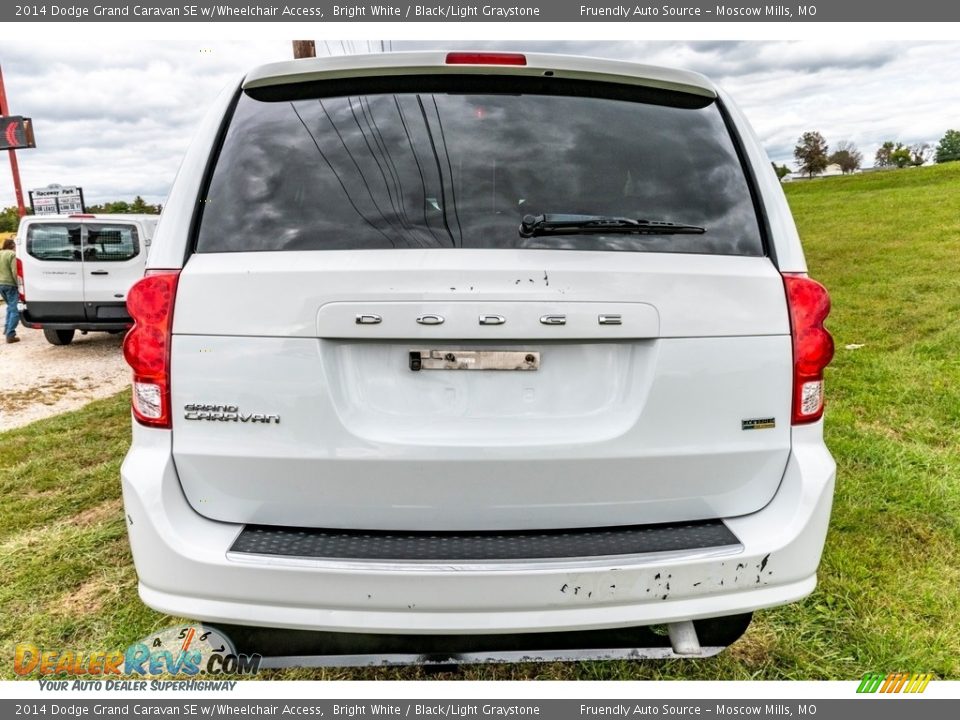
[831, 170]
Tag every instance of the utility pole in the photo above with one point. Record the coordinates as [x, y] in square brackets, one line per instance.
[14, 166]
[304, 49]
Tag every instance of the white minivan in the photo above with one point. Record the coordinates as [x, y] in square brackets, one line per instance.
[477, 355]
[75, 271]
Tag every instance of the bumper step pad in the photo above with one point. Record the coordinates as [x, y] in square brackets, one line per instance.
[483, 546]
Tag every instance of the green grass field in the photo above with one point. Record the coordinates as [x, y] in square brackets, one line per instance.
[887, 245]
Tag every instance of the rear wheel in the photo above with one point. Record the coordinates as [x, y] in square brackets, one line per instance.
[58, 337]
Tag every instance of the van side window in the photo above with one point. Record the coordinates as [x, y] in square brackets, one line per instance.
[110, 243]
[47, 241]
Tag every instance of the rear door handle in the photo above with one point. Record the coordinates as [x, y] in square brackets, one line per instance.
[99, 272]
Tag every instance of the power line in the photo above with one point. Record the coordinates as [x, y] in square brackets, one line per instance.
[339, 180]
[363, 178]
[453, 189]
[413, 151]
[436, 157]
[385, 150]
[390, 196]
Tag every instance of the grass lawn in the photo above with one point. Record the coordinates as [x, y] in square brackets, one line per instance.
[888, 247]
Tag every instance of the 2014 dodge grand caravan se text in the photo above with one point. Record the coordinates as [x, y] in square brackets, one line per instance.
[480, 346]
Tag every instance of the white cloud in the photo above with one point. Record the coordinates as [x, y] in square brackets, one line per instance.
[116, 116]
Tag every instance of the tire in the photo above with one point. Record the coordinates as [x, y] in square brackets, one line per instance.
[58, 337]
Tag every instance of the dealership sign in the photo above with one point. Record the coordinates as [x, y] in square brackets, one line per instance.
[16, 133]
[57, 200]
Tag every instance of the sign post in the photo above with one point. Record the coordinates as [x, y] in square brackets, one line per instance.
[14, 166]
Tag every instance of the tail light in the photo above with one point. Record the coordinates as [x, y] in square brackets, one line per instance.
[485, 58]
[146, 347]
[21, 288]
[809, 305]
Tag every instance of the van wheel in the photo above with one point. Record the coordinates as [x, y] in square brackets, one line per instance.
[58, 337]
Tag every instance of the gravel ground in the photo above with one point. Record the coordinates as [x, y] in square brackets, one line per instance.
[38, 379]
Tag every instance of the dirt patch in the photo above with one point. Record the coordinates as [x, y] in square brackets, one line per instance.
[85, 599]
[48, 394]
[100, 590]
[91, 516]
[22, 542]
[756, 648]
[38, 380]
[42, 494]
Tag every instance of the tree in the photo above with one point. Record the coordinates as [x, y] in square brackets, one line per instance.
[9, 219]
[811, 153]
[918, 154]
[139, 205]
[892, 154]
[901, 156]
[948, 149]
[847, 157]
[780, 170]
[883, 158]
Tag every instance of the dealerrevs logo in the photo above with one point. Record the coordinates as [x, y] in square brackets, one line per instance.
[896, 682]
[179, 650]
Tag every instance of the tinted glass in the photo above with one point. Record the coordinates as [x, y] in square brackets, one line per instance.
[47, 241]
[446, 169]
[110, 243]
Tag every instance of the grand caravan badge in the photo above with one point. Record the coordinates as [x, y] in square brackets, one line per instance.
[226, 413]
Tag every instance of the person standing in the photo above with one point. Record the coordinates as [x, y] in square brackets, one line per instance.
[8, 288]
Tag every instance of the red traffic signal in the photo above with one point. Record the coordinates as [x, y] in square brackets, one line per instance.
[16, 132]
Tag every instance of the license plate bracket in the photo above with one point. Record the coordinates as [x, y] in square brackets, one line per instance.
[453, 359]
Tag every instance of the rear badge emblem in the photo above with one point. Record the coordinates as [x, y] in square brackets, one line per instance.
[226, 413]
[758, 424]
[430, 320]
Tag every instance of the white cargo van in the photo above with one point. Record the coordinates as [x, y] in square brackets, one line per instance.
[75, 270]
[477, 349]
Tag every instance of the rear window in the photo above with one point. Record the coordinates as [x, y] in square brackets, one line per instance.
[93, 242]
[47, 241]
[457, 162]
[111, 243]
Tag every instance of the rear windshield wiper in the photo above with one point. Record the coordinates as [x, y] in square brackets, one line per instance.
[556, 224]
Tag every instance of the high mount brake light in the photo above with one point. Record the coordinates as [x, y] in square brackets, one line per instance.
[485, 58]
[146, 347]
[809, 305]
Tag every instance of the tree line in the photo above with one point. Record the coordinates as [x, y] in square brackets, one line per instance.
[10, 218]
[813, 154]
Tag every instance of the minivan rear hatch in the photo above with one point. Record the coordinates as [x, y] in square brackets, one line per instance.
[365, 339]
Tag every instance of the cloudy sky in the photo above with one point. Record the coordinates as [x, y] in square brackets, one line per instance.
[115, 117]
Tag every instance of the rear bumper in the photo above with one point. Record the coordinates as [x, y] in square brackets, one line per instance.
[185, 568]
[75, 316]
[81, 326]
